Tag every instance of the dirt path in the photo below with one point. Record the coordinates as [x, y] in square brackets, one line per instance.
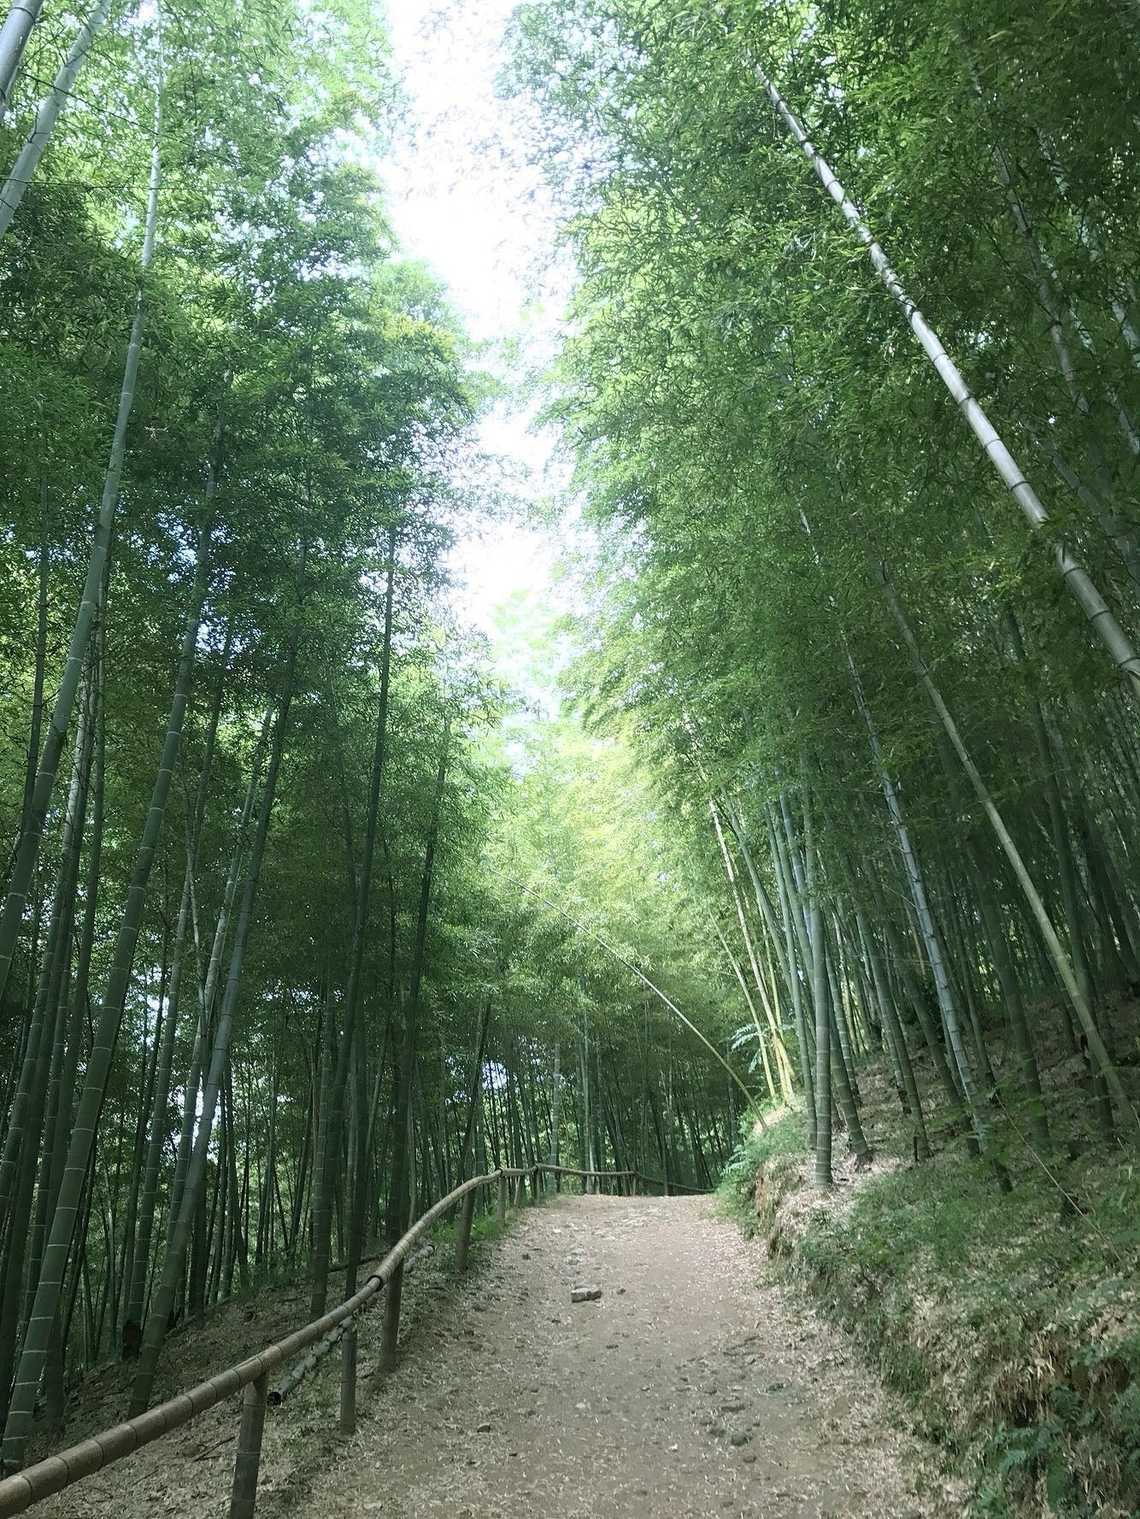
[687, 1389]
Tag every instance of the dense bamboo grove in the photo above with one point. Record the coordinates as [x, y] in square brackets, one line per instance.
[308, 912]
[852, 392]
[271, 976]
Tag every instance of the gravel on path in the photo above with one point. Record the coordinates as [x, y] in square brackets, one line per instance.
[692, 1386]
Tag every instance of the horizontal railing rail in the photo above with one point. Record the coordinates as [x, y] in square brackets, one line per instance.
[22, 1489]
[673, 1186]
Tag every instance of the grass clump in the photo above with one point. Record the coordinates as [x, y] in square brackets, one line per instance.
[485, 1228]
[765, 1166]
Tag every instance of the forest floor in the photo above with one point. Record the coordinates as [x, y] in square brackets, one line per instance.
[693, 1386]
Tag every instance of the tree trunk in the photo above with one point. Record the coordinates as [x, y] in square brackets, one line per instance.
[331, 1129]
[475, 1089]
[822, 1018]
[401, 1203]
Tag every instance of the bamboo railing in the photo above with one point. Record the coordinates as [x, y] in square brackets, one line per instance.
[251, 1376]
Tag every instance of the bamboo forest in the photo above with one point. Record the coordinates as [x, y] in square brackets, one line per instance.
[569, 763]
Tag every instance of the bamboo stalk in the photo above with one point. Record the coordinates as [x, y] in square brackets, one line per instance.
[1061, 960]
[243, 1498]
[347, 1419]
[1074, 576]
[14, 33]
[47, 114]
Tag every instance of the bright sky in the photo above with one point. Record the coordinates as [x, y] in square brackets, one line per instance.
[462, 198]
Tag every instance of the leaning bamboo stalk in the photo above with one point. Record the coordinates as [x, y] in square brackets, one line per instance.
[163, 1301]
[786, 886]
[931, 937]
[1076, 579]
[656, 990]
[47, 114]
[15, 30]
[782, 1066]
[199, 1052]
[743, 984]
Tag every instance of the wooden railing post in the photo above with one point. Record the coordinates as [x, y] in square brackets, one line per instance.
[463, 1237]
[501, 1211]
[348, 1379]
[390, 1332]
[534, 1185]
[243, 1498]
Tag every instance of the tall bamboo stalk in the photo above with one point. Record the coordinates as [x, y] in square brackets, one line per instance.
[164, 1294]
[32, 822]
[14, 33]
[819, 994]
[47, 114]
[931, 937]
[1057, 954]
[403, 1150]
[330, 1132]
[1075, 578]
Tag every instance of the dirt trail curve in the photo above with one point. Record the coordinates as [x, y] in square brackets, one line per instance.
[687, 1389]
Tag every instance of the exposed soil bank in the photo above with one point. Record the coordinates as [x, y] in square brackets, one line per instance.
[1008, 1321]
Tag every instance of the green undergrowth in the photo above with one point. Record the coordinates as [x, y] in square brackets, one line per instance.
[485, 1228]
[764, 1167]
[1010, 1322]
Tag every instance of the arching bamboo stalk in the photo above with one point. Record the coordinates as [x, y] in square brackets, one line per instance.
[656, 990]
